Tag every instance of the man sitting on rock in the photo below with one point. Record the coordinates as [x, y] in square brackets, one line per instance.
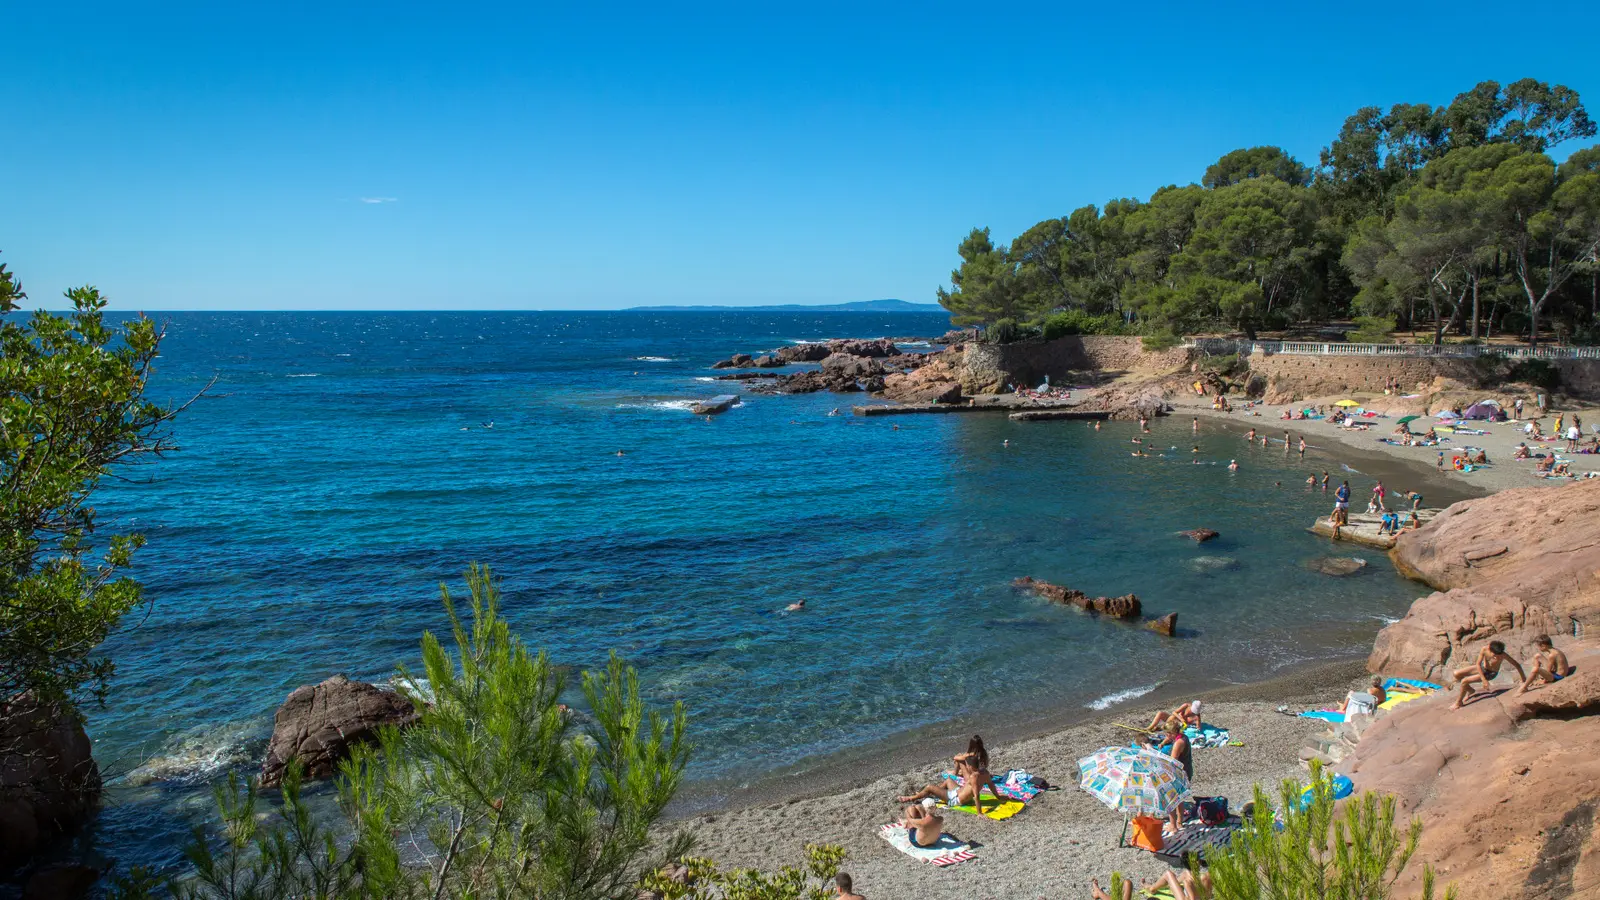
[1484, 671]
[1549, 664]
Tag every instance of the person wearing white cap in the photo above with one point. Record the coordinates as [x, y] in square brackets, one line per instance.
[1188, 714]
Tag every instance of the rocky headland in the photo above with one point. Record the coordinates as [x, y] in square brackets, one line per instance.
[1508, 786]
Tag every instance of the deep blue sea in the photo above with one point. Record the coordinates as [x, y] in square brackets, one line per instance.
[342, 466]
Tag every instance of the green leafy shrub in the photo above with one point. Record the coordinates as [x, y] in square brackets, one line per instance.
[1227, 365]
[1003, 331]
[1489, 368]
[1316, 852]
[1537, 372]
[73, 410]
[1372, 330]
[1076, 321]
[1165, 339]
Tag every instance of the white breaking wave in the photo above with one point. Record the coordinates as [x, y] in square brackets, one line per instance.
[307, 375]
[653, 358]
[194, 756]
[704, 378]
[1387, 620]
[1111, 700]
[660, 404]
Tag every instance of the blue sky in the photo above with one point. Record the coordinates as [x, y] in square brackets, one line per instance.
[232, 156]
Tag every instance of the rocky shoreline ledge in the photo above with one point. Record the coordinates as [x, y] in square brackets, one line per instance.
[960, 371]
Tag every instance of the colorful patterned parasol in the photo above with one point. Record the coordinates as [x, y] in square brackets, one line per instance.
[1134, 781]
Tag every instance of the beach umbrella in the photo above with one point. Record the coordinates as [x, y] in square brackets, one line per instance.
[1348, 403]
[1135, 782]
[1404, 419]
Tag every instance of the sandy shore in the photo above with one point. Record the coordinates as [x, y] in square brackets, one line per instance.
[1325, 439]
[1064, 838]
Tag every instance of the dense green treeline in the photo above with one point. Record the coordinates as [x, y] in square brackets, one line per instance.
[1449, 218]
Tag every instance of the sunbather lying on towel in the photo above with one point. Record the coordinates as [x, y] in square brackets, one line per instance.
[1179, 885]
[1174, 885]
[922, 826]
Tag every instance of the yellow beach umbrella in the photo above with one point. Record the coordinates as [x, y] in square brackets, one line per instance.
[1347, 403]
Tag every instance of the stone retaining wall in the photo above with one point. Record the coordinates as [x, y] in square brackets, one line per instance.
[1292, 377]
[988, 368]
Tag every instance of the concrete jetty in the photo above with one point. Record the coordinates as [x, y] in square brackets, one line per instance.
[906, 409]
[1045, 415]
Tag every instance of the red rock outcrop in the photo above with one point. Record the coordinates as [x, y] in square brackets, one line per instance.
[318, 725]
[1124, 607]
[1508, 787]
[935, 382]
[1510, 566]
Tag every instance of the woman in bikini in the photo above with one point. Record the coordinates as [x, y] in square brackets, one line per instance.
[972, 775]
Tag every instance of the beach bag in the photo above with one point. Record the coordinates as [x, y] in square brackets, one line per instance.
[1211, 810]
[1147, 834]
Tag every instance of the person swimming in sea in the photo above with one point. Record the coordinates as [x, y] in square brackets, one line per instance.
[1251, 437]
[1096, 426]
[620, 453]
[1006, 442]
[834, 411]
[1233, 465]
[796, 606]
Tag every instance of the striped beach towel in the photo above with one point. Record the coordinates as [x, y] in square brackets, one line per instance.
[947, 852]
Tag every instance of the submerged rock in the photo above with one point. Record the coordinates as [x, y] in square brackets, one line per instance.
[1125, 607]
[318, 725]
[1208, 564]
[1337, 566]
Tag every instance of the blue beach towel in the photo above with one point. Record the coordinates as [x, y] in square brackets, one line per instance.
[1327, 715]
[1206, 735]
[1393, 683]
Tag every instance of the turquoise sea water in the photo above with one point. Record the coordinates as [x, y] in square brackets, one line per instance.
[341, 468]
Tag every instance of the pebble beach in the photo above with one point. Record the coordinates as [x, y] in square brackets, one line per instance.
[1061, 840]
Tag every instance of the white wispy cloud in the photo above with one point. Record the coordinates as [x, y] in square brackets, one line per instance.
[380, 199]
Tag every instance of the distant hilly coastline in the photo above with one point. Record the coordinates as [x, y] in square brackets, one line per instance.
[865, 306]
